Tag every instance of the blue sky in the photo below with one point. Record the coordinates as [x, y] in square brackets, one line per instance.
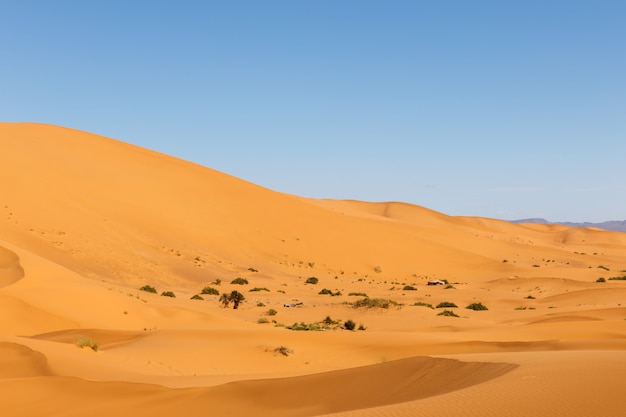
[503, 109]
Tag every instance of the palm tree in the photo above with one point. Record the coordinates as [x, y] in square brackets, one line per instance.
[236, 297]
[225, 300]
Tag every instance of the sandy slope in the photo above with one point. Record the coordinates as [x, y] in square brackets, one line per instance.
[86, 220]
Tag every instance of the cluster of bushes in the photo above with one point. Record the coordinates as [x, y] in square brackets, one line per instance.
[326, 291]
[150, 289]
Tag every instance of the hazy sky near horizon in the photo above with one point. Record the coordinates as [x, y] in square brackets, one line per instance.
[503, 109]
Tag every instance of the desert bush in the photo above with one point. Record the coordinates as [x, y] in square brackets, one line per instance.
[422, 304]
[477, 307]
[374, 303]
[236, 298]
[362, 327]
[449, 313]
[304, 326]
[259, 289]
[239, 281]
[283, 350]
[446, 304]
[378, 269]
[618, 278]
[449, 287]
[325, 291]
[409, 288]
[210, 291]
[197, 297]
[530, 297]
[87, 342]
[260, 304]
[253, 270]
[271, 312]
[358, 294]
[217, 282]
[312, 280]
[601, 279]
[349, 325]
[168, 294]
[603, 267]
[148, 288]
[262, 320]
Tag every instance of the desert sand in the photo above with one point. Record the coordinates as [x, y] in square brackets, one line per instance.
[86, 221]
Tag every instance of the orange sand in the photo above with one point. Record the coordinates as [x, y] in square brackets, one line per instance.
[85, 221]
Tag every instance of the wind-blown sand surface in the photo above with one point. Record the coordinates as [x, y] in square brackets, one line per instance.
[85, 221]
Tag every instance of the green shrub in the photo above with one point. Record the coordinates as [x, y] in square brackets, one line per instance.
[253, 270]
[357, 294]
[349, 325]
[374, 303]
[422, 304]
[409, 288]
[87, 342]
[449, 313]
[210, 291]
[362, 327]
[271, 312]
[239, 281]
[168, 294]
[259, 289]
[601, 279]
[529, 297]
[262, 320]
[197, 297]
[618, 278]
[325, 291]
[477, 307]
[446, 304]
[148, 288]
[312, 280]
[378, 269]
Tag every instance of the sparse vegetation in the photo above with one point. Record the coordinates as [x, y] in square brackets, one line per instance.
[449, 313]
[525, 308]
[217, 282]
[374, 303]
[422, 304]
[603, 267]
[357, 294]
[601, 279]
[148, 288]
[477, 307]
[271, 312]
[446, 304]
[530, 297]
[409, 288]
[239, 281]
[87, 342]
[623, 278]
[253, 270]
[210, 291]
[283, 350]
[197, 297]
[362, 327]
[449, 287]
[168, 294]
[326, 291]
[311, 280]
[262, 320]
[378, 269]
[259, 289]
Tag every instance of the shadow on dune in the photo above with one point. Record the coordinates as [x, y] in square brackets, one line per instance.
[350, 389]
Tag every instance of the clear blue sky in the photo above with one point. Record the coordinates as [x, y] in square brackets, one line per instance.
[504, 109]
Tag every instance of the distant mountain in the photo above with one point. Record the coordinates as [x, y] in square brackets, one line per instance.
[613, 225]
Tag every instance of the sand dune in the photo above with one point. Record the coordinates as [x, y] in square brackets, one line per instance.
[85, 221]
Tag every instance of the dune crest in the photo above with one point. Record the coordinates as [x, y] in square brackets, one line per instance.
[10, 268]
